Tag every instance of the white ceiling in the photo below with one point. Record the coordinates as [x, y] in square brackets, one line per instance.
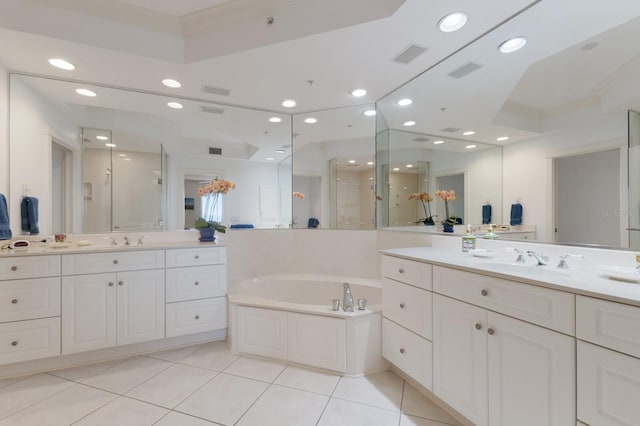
[173, 7]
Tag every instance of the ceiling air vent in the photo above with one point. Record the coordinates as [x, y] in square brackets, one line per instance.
[211, 110]
[216, 90]
[421, 139]
[465, 70]
[409, 54]
[215, 151]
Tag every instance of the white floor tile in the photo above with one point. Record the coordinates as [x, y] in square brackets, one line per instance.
[124, 411]
[213, 356]
[383, 390]
[12, 380]
[179, 419]
[280, 406]
[175, 355]
[172, 386]
[85, 372]
[17, 396]
[406, 420]
[416, 404]
[128, 374]
[258, 369]
[309, 380]
[340, 413]
[62, 408]
[224, 399]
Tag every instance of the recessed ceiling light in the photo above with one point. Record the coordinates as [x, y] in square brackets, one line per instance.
[122, 155]
[280, 151]
[127, 159]
[288, 103]
[275, 119]
[110, 145]
[396, 169]
[404, 102]
[409, 166]
[438, 142]
[470, 146]
[469, 133]
[370, 112]
[409, 123]
[512, 45]
[358, 93]
[102, 138]
[502, 138]
[86, 92]
[452, 22]
[169, 82]
[269, 158]
[370, 163]
[63, 64]
[175, 105]
[352, 161]
[310, 120]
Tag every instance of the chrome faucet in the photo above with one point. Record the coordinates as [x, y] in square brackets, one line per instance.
[541, 258]
[520, 253]
[563, 260]
[126, 241]
[347, 300]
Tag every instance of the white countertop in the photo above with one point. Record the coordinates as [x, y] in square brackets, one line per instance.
[579, 279]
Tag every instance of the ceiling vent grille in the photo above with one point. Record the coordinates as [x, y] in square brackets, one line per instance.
[216, 90]
[211, 110]
[409, 54]
[421, 139]
[215, 151]
[450, 130]
[465, 70]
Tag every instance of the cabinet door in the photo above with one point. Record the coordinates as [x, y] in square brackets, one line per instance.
[317, 341]
[460, 357]
[88, 312]
[531, 374]
[262, 332]
[608, 386]
[140, 306]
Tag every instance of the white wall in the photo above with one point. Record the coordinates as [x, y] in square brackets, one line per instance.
[4, 133]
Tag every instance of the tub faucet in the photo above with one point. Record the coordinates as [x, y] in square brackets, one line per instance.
[347, 300]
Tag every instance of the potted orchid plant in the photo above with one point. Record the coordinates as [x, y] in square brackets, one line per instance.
[425, 199]
[211, 193]
[447, 196]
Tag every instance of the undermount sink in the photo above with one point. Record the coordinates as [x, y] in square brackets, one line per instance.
[623, 273]
[524, 269]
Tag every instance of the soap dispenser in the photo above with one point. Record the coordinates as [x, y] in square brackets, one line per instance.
[491, 235]
[468, 240]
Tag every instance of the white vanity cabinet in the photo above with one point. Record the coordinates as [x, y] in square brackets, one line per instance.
[196, 282]
[608, 362]
[29, 308]
[111, 308]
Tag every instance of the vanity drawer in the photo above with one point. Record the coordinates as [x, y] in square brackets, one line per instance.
[408, 306]
[197, 282]
[196, 256]
[26, 340]
[196, 316]
[543, 306]
[29, 267]
[29, 299]
[408, 351]
[608, 324]
[407, 271]
[95, 263]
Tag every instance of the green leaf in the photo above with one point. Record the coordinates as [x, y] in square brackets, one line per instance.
[201, 223]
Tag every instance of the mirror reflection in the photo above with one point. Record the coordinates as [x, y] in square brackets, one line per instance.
[557, 108]
[333, 169]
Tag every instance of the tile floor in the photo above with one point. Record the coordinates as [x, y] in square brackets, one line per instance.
[208, 385]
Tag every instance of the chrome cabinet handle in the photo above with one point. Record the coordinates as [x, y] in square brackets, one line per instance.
[401, 270]
[196, 283]
[478, 326]
[110, 284]
[490, 331]
[197, 317]
[14, 301]
[14, 268]
[484, 292]
[120, 283]
[197, 256]
[401, 350]
[115, 261]
[402, 306]
[14, 343]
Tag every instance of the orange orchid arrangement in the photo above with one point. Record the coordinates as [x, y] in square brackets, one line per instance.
[425, 199]
[447, 196]
[214, 190]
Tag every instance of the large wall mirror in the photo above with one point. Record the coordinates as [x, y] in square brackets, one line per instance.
[127, 161]
[557, 110]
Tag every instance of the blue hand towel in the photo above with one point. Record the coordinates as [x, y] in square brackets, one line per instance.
[5, 228]
[29, 215]
[313, 222]
[516, 214]
[486, 214]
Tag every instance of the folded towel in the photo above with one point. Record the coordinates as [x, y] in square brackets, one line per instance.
[242, 226]
[516, 214]
[486, 214]
[5, 228]
[313, 222]
[29, 215]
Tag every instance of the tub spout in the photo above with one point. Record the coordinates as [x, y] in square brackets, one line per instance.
[347, 300]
